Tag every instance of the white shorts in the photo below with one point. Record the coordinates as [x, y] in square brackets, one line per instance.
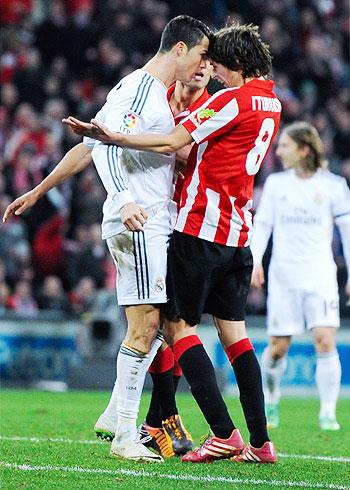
[289, 310]
[141, 260]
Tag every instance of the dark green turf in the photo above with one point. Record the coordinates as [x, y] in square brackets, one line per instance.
[72, 416]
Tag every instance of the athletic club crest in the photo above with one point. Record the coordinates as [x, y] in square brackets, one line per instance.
[203, 115]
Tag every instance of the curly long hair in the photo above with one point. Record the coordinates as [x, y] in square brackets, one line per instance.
[240, 47]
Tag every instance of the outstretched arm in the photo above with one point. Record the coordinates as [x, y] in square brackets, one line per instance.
[159, 143]
[74, 161]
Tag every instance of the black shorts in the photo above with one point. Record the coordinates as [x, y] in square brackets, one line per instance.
[206, 277]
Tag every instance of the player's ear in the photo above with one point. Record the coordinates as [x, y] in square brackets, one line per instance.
[305, 151]
[181, 48]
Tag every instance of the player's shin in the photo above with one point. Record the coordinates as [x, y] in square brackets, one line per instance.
[163, 404]
[106, 424]
[328, 375]
[132, 367]
[199, 372]
[272, 371]
[247, 370]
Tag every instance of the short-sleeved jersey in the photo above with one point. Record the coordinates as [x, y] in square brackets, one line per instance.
[138, 104]
[178, 118]
[233, 132]
[301, 214]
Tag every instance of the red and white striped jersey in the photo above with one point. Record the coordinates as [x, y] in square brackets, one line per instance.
[233, 131]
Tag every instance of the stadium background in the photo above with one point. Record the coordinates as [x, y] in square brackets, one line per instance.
[57, 298]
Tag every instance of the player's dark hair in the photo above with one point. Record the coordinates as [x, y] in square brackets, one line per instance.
[304, 134]
[239, 47]
[183, 28]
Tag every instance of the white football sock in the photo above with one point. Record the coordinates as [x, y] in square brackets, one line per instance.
[130, 362]
[328, 375]
[272, 372]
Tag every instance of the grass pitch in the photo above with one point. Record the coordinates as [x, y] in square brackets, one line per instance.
[47, 442]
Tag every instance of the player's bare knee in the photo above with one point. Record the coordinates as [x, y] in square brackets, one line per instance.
[229, 331]
[325, 344]
[174, 331]
[279, 347]
[143, 325]
[324, 339]
[140, 340]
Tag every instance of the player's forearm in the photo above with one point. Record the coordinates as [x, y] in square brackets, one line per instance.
[260, 238]
[74, 161]
[159, 143]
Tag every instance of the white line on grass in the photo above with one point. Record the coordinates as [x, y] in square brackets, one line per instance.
[334, 459]
[167, 476]
[337, 459]
[51, 439]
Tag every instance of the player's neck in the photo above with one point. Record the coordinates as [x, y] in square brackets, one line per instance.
[243, 81]
[184, 96]
[162, 68]
[303, 173]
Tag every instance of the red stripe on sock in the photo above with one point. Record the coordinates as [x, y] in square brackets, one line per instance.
[163, 361]
[177, 370]
[238, 348]
[182, 345]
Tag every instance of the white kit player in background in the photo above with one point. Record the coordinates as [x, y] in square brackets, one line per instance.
[136, 214]
[299, 207]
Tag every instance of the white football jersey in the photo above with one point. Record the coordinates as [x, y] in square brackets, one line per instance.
[137, 104]
[301, 213]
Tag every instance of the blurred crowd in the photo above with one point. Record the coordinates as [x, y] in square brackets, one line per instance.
[62, 57]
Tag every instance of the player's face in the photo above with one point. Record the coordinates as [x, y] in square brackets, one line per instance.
[192, 61]
[288, 151]
[226, 76]
[201, 78]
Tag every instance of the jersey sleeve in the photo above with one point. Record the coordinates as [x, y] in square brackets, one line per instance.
[263, 223]
[265, 212]
[215, 117]
[260, 239]
[341, 201]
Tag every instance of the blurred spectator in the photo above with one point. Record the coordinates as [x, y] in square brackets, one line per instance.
[28, 133]
[52, 296]
[83, 296]
[89, 197]
[15, 253]
[29, 80]
[48, 253]
[89, 256]
[22, 300]
[54, 111]
[51, 39]
[9, 98]
[13, 12]
[4, 297]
